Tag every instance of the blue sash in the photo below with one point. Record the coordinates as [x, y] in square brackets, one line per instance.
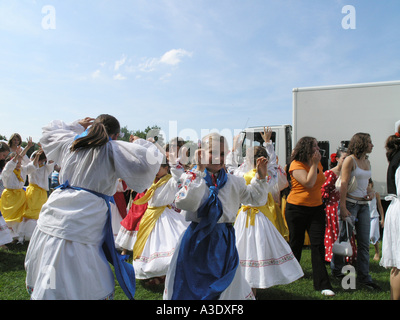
[83, 134]
[124, 271]
[207, 258]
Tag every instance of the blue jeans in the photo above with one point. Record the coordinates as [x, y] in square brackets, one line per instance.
[360, 214]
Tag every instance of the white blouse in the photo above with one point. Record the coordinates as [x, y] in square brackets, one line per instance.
[79, 215]
[40, 176]
[98, 169]
[194, 192]
[10, 180]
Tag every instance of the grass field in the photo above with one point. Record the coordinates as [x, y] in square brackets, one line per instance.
[12, 282]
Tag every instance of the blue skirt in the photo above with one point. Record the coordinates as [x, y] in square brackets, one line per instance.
[206, 265]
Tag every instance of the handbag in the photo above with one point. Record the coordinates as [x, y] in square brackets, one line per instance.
[343, 248]
[350, 187]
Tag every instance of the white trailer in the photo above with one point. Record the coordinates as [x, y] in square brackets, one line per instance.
[333, 114]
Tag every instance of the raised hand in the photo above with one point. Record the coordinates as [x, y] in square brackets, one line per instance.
[261, 167]
[199, 157]
[267, 134]
[88, 121]
[316, 157]
[30, 143]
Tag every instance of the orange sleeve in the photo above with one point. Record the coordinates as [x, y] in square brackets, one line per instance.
[299, 195]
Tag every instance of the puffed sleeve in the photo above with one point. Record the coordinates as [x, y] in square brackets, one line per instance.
[166, 194]
[136, 163]
[193, 191]
[57, 137]
[256, 193]
[8, 170]
[177, 171]
[30, 168]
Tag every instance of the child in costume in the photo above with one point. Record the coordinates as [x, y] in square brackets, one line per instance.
[159, 230]
[127, 233]
[36, 192]
[274, 214]
[13, 198]
[265, 256]
[70, 250]
[205, 265]
[5, 234]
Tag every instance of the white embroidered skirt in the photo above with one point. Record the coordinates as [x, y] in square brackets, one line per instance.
[265, 256]
[160, 246]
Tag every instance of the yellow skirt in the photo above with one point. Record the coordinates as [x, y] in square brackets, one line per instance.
[12, 204]
[36, 197]
[147, 224]
[274, 213]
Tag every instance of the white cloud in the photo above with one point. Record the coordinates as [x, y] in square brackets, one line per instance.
[96, 74]
[173, 57]
[120, 62]
[119, 77]
[170, 58]
[165, 77]
[148, 65]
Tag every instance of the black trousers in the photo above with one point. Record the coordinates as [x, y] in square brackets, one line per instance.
[311, 219]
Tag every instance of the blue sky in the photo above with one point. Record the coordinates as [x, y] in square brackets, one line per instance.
[184, 65]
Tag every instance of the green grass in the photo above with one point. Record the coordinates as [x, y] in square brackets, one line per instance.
[12, 282]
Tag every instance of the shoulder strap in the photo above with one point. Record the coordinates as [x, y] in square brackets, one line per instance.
[354, 161]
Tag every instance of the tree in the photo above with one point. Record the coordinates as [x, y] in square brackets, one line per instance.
[149, 132]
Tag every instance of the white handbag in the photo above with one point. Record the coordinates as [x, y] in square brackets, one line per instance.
[343, 248]
[351, 186]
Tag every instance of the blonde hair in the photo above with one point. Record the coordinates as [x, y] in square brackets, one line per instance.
[212, 142]
[213, 137]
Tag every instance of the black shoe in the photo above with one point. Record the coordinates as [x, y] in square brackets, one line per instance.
[372, 286]
[338, 276]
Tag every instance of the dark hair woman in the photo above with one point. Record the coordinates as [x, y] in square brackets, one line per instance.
[305, 210]
[354, 206]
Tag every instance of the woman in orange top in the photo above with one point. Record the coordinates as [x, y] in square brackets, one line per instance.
[305, 209]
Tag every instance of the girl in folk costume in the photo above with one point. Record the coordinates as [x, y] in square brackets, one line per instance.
[274, 213]
[5, 234]
[127, 233]
[13, 198]
[205, 264]
[160, 228]
[265, 256]
[70, 250]
[36, 193]
[129, 226]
